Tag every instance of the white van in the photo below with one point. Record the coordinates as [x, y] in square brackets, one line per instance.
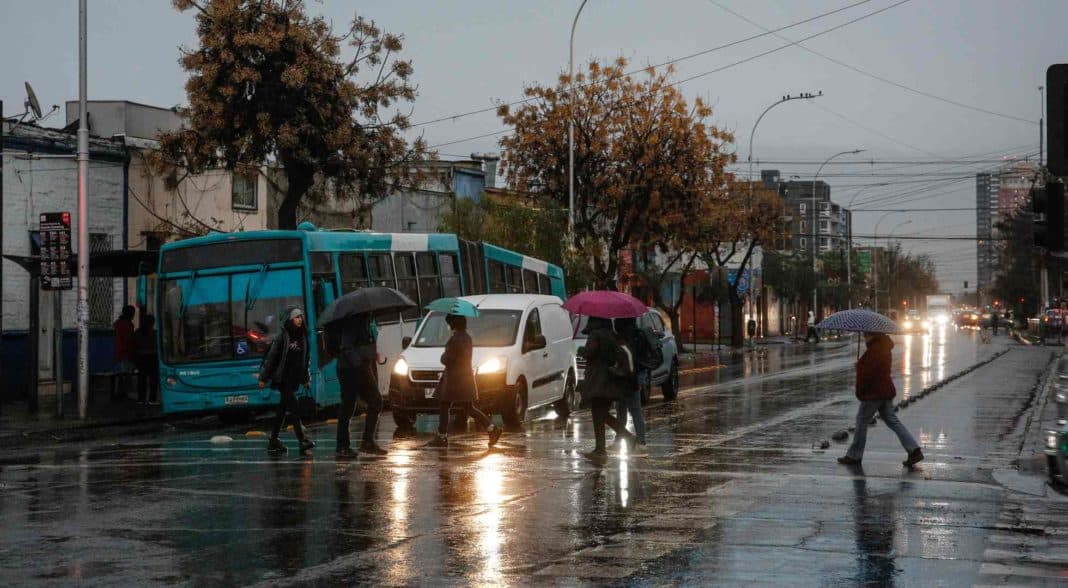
[523, 358]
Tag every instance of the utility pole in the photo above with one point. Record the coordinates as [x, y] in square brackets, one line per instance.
[83, 214]
[2, 249]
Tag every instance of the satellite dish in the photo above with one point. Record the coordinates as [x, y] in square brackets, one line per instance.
[31, 101]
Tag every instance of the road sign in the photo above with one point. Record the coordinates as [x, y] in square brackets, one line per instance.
[55, 251]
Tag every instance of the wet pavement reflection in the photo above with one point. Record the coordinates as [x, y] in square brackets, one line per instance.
[732, 491]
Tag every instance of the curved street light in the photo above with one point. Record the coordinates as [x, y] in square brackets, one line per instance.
[815, 227]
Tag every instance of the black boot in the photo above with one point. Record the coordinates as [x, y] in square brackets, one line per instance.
[306, 445]
[494, 434]
[275, 445]
[371, 447]
[439, 441]
[915, 457]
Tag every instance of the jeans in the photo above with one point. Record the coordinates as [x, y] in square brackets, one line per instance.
[288, 406]
[867, 410]
[358, 382]
[632, 403]
[468, 408]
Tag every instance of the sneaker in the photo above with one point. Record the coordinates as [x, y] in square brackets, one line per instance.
[438, 441]
[306, 445]
[915, 457]
[153, 402]
[597, 456]
[275, 445]
[372, 448]
[639, 450]
[846, 460]
[494, 434]
[345, 453]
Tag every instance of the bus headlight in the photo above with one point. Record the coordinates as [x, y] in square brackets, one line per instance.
[493, 365]
[170, 381]
[401, 367]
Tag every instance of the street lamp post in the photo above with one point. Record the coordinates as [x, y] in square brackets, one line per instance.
[571, 127]
[752, 180]
[815, 227]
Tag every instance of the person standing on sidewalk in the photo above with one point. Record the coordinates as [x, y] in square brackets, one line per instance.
[146, 359]
[285, 368]
[123, 353]
[812, 335]
[457, 385]
[603, 354]
[631, 393]
[357, 372]
[875, 390]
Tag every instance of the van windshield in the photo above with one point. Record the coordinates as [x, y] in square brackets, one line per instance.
[492, 328]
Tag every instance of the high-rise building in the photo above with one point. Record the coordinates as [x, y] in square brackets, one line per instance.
[997, 196]
[833, 222]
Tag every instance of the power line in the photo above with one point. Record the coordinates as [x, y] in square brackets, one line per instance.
[875, 76]
[669, 62]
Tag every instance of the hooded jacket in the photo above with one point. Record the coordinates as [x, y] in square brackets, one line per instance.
[273, 369]
[873, 371]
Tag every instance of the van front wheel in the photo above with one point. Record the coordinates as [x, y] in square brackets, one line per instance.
[515, 411]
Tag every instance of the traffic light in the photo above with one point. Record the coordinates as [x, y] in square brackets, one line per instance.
[1057, 118]
[1047, 204]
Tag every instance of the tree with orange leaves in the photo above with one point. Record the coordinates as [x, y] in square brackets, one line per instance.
[646, 160]
[268, 84]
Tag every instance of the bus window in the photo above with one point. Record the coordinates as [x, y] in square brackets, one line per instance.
[498, 283]
[543, 284]
[429, 287]
[407, 282]
[380, 267]
[515, 280]
[450, 275]
[353, 271]
[530, 281]
[321, 264]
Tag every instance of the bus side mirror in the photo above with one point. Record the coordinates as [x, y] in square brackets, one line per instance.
[405, 342]
[142, 291]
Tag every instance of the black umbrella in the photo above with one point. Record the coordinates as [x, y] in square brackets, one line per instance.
[375, 300]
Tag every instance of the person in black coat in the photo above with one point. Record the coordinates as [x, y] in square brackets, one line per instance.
[357, 372]
[457, 385]
[146, 359]
[606, 379]
[285, 368]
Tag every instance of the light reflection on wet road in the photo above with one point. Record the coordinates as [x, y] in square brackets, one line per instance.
[731, 464]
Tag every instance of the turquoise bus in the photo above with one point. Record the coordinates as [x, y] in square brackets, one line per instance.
[220, 299]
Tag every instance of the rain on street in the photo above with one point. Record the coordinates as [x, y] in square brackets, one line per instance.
[736, 490]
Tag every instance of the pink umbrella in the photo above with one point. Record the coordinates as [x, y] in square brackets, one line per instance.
[605, 304]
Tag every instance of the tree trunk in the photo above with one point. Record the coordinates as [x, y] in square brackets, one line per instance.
[737, 328]
[299, 179]
[673, 316]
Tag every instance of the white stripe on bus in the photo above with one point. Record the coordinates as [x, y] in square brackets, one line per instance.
[410, 242]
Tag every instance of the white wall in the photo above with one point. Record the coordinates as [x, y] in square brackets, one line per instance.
[33, 186]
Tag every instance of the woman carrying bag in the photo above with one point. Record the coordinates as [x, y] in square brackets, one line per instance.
[608, 371]
[457, 385]
[286, 369]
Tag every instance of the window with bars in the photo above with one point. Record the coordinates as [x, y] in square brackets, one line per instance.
[101, 290]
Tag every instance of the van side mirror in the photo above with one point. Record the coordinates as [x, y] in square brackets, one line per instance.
[537, 343]
[405, 342]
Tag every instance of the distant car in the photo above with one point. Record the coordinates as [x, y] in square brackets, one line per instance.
[968, 318]
[666, 376]
[914, 323]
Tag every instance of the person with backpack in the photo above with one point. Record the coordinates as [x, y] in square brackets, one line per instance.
[357, 372]
[286, 368]
[631, 393]
[605, 379]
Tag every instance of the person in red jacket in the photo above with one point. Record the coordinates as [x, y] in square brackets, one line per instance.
[875, 391]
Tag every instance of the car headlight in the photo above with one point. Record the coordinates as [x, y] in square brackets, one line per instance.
[1060, 397]
[493, 365]
[1051, 439]
[926, 324]
[943, 319]
[401, 367]
[908, 324]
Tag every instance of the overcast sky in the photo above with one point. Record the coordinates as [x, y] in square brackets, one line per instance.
[987, 54]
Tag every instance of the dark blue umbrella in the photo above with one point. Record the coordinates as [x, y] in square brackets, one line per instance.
[374, 300]
[858, 320]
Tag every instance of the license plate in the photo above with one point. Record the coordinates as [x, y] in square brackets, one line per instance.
[241, 399]
[429, 392]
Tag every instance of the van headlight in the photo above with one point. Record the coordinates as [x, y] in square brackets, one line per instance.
[493, 365]
[1051, 439]
[908, 324]
[401, 367]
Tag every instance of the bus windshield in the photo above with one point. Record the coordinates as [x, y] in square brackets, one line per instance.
[492, 328]
[225, 317]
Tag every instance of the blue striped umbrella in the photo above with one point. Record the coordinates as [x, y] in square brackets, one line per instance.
[858, 320]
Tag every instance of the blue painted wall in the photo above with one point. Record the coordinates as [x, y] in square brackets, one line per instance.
[17, 359]
[468, 183]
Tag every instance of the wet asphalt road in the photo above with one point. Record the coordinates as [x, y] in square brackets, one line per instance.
[733, 493]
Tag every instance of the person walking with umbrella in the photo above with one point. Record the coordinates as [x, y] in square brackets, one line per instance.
[457, 386]
[285, 368]
[604, 385]
[357, 372]
[348, 325]
[875, 391]
[631, 392]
